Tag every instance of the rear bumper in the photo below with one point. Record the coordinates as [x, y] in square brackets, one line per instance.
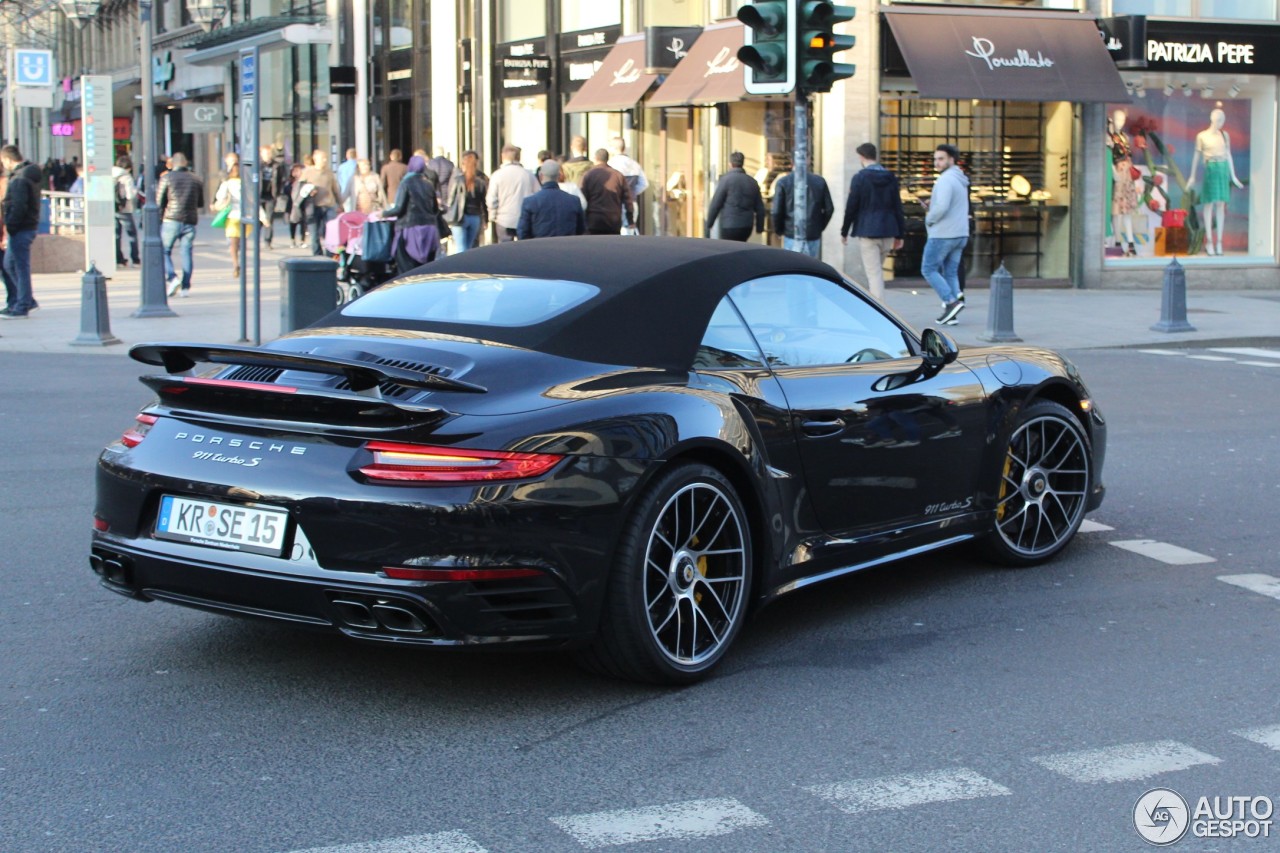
[528, 611]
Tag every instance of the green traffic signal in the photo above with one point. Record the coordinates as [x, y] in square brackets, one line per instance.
[769, 52]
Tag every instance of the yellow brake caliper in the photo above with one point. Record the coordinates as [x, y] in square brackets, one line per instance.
[1004, 487]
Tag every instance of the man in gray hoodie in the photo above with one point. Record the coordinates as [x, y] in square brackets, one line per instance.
[947, 223]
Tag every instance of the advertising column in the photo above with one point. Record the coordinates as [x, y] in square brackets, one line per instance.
[98, 148]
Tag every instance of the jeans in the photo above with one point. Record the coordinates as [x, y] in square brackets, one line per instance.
[172, 231]
[319, 216]
[941, 264]
[466, 234]
[17, 270]
[268, 220]
[126, 224]
[808, 247]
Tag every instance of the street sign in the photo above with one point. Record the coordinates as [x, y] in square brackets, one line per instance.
[248, 73]
[32, 67]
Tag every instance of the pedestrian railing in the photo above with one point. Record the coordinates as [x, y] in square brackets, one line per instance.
[66, 212]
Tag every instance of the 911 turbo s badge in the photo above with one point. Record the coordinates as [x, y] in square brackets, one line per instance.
[209, 456]
[247, 444]
[950, 506]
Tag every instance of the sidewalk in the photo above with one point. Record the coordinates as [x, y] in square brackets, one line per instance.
[1053, 317]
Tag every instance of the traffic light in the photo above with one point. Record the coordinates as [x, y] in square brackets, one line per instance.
[769, 53]
[818, 44]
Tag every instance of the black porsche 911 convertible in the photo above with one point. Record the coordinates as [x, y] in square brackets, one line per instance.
[619, 446]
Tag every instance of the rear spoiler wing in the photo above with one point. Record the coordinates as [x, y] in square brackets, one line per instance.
[364, 376]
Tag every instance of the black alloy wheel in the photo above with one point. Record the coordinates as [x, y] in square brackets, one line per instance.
[1045, 476]
[679, 590]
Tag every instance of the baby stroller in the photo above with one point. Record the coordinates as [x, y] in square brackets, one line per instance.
[342, 240]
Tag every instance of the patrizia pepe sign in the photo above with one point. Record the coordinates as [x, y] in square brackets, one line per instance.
[985, 49]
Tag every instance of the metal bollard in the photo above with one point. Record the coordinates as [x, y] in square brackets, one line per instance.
[1000, 310]
[1173, 302]
[95, 323]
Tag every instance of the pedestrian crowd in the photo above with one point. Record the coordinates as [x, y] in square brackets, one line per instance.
[432, 199]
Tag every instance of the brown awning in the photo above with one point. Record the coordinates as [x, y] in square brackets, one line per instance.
[1006, 56]
[619, 83]
[710, 74]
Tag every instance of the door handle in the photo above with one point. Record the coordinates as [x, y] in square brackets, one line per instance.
[818, 429]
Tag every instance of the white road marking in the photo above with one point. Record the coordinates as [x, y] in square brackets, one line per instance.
[1164, 552]
[1211, 358]
[1252, 352]
[1125, 763]
[1163, 351]
[909, 789]
[692, 819]
[1261, 584]
[1088, 526]
[1268, 736]
[440, 842]
[1260, 363]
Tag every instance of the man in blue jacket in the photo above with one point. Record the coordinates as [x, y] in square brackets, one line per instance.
[21, 210]
[873, 214]
[550, 212]
[947, 223]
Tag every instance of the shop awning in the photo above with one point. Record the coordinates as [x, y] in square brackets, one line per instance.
[710, 74]
[269, 33]
[1006, 56]
[619, 83]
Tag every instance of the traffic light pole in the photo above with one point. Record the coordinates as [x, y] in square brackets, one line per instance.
[800, 167]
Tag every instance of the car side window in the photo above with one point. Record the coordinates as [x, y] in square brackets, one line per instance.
[727, 343]
[803, 321]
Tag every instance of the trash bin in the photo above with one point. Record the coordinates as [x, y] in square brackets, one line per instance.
[308, 291]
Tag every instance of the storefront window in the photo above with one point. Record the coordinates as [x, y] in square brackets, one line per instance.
[525, 126]
[674, 13]
[522, 19]
[1192, 169]
[1017, 156]
[578, 15]
[1256, 10]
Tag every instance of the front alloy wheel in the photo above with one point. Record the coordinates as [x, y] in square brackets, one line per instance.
[1044, 486]
[679, 593]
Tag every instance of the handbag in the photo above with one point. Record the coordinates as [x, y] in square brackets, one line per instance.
[375, 241]
[457, 204]
[220, 220]
[281, 203]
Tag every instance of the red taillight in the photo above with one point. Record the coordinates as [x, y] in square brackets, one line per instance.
[133, 435]
[100, 524]
[406, 574]
[423, 464]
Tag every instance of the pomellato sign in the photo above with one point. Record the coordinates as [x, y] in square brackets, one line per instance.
[985, 49]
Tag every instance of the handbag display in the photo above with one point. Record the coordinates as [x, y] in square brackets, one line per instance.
[375, 241]
[1173, 218]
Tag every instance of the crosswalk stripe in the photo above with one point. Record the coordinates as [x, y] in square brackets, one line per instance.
[1268, 736]
[1125, 763]
[908, 789]
[440, 842]
[1210, 358]
[1260, 363]
[692, 819]
[1164, 552]
[1252, 352]
[1163, 351]
[1261, 584]
[1088, 526]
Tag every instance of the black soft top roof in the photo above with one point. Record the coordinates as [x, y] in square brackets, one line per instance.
[656, 296]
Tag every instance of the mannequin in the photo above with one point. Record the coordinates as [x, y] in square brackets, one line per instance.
[1124, 195]
[1214, 146]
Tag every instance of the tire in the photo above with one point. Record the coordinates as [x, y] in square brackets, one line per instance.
[1044, 480]
[676, 599]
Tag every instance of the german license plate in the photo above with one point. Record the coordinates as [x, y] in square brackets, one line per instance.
[232, 527]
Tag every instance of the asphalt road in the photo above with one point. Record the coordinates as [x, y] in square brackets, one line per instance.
[934, 704]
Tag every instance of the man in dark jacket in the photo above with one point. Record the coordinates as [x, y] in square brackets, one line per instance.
[873, 214]
[550, 212]
[607, 193]
[737, 203]
[271, 187]
[180, 195]
[21, 208]
[820, 209]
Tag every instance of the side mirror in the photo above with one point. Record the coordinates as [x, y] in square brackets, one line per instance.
[937, 349]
